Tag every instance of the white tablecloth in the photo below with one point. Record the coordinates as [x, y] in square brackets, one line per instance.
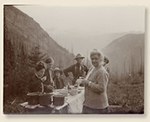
[74, 104]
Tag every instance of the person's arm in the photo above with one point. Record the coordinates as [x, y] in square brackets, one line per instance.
[34, 85]
[108, 70]
[54, 80]
[63, 81]
[31, 85]
[86, 69]
[102, 79]
[47, 81]
[69, 69]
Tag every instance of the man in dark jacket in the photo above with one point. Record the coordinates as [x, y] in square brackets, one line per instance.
[78, 70]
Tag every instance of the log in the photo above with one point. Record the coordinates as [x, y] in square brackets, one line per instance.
[114, 106]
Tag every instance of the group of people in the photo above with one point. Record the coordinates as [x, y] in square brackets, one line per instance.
[94, 79]
[45, 79]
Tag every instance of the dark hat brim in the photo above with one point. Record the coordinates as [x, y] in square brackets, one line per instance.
[58, 71]
[78, 58]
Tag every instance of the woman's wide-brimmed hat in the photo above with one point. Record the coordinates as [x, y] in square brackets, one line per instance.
[49, 60]
[40, 65]
[78, 56]
[57, 70]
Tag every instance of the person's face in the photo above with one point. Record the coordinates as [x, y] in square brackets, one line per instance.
[40, 73]
[95, 59]
[79, 60]
[49, 65]
[57, 74]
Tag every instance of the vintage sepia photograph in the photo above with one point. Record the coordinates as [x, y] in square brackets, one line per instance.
[73, 59]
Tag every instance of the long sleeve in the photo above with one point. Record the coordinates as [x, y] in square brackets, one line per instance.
[85, 69]
[49, 80]
[96, 91]
[63, 82]
[69, 69]
[34, 85]
[101, 80]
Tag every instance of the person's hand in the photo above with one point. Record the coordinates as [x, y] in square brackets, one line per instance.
[43, 78]
[79, 81]
[85, 82]
[50, 87]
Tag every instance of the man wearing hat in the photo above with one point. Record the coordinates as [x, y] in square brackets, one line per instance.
[78, 70]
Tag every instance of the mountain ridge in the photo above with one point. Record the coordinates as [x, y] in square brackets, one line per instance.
[126, 53]
[24, 29]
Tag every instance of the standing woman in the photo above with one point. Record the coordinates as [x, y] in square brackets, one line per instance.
[48, 73]
[96, 100]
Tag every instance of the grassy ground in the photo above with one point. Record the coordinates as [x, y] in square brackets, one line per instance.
[128, 94]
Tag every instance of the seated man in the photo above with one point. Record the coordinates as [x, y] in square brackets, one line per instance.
[78, 70]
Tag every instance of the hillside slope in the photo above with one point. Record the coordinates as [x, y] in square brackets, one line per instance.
[126, 54]
[24, 32]
[23, 38]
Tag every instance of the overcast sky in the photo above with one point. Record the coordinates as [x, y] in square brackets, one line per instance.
[75, 25]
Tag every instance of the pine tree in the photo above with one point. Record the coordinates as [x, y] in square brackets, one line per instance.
[36, 56]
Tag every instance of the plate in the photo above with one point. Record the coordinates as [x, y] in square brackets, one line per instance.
[81, 88]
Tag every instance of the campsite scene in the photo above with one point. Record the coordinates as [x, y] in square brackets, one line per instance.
[73, 60]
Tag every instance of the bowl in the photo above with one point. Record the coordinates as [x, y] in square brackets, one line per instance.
[63, 92]
[58, 100]
[81, 87]
[33, 98]
[45, 99]
[74, 91]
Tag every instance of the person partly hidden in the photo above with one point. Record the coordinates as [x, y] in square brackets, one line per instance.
[106, 61]
[96, 81]
[58, 79]
[78, 70]
[49, 73]
[37, 82]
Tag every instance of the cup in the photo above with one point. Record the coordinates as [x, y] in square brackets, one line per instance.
[79, 81]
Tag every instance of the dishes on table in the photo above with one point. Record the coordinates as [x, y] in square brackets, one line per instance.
[81, 88]
[58, 100]
[57, 96]
[45, 99]
[74, 91]
[63, 92]
[33, 98]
